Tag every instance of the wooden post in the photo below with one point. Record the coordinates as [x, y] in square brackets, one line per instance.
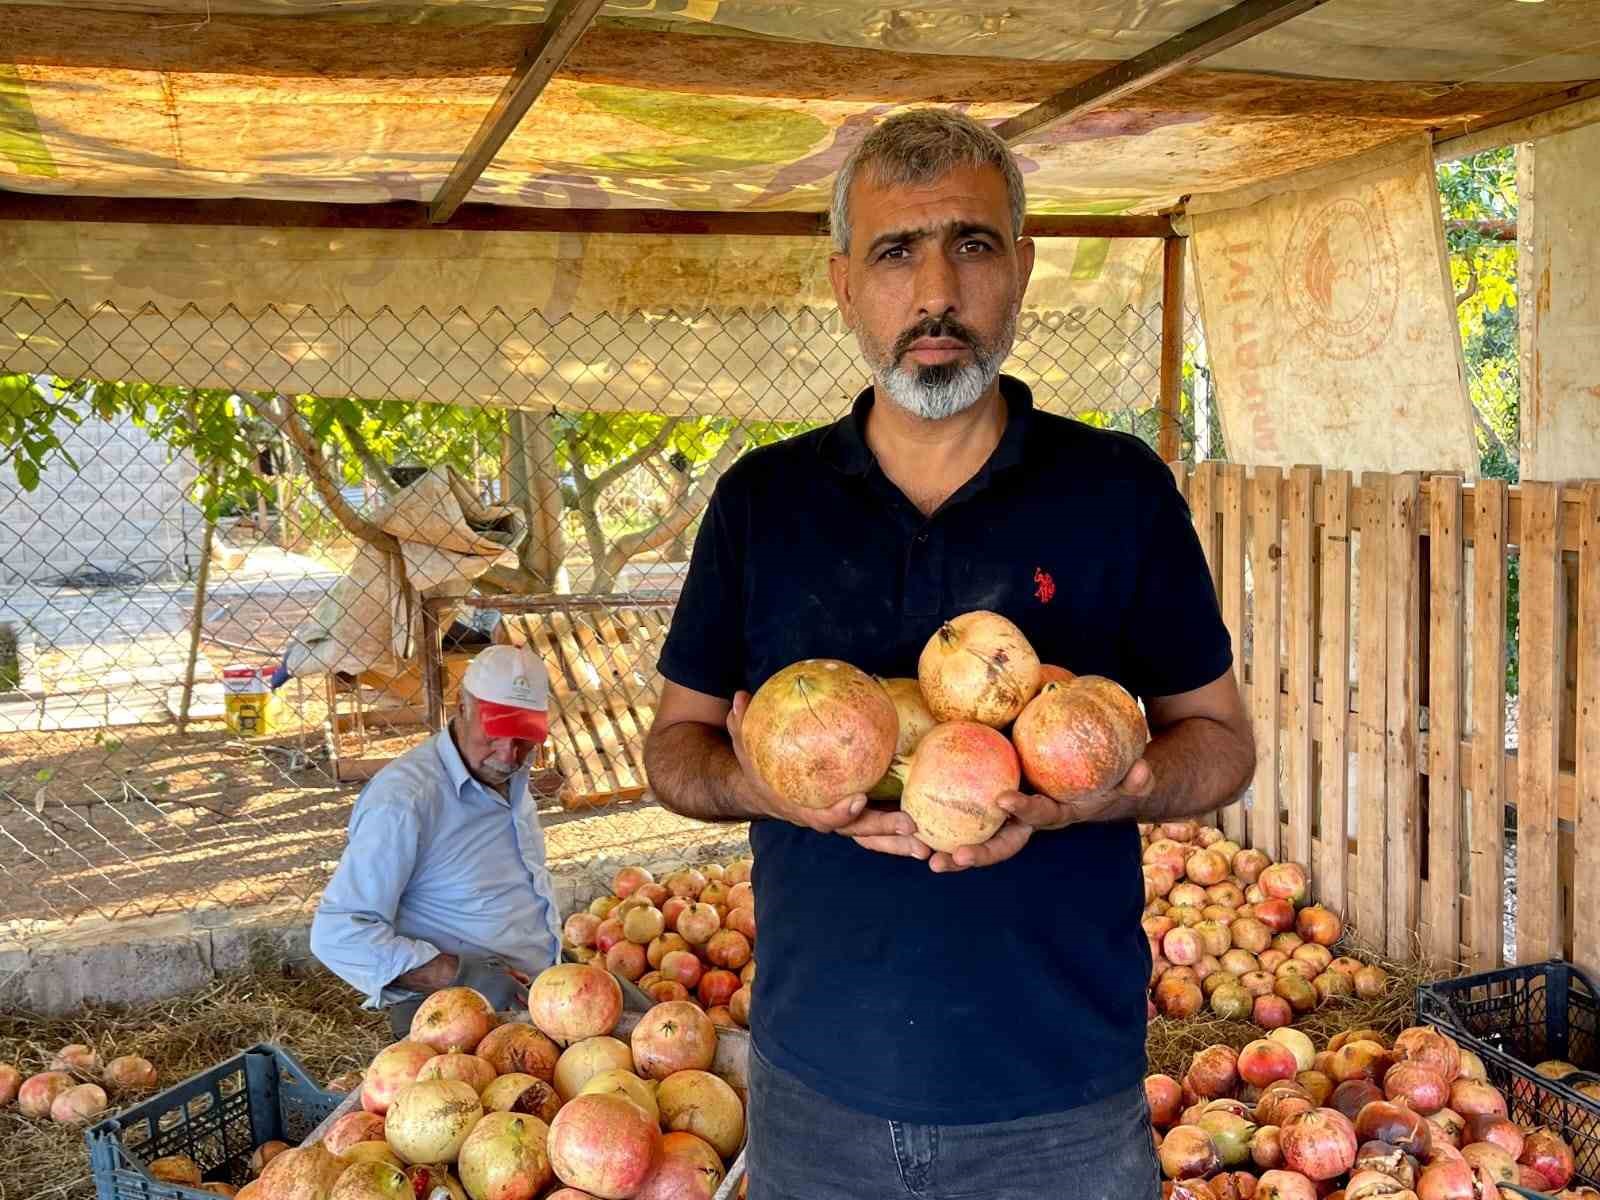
[530, 472]
[1404, 783]
[1168, 443]
[1444, 723]
[1300, 639]
[1266, 612]
[1332, 873]
[196, 618]
[1586, 873]
[1372, 888]
[430, 661]
[1233, 538]
[1486, 857]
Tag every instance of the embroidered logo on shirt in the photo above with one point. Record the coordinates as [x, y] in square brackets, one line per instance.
[1044, 587]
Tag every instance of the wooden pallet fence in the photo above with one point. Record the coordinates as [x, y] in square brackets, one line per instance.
[1368, 620]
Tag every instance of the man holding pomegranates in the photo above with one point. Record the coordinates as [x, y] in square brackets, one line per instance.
[443, 881]
[966, 1022]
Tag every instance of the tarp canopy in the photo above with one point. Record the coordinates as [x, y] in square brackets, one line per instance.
[727, 104]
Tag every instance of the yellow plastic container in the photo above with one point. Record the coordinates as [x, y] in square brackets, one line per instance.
[248, 703]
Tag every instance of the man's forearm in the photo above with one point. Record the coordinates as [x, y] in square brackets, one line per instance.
[693, 771]
[1198, 765]
[437, 973]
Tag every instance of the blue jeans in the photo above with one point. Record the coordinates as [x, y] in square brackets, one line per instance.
[803, 1146]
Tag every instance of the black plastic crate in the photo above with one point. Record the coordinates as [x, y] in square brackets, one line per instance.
[217, 1118]
[1516, 1017]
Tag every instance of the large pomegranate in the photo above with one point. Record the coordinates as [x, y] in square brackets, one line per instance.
[1080, 737]
[603, 1145]
[958, 773]
[504, 1158]
[676, 1036]
[39, 1092]
[679, 1179]
[515, 1048]
[302, 1174]
[429, 1120]
[627, 1085]
[520, 1093]
[582, 1061]
[1319, 1143]
[394, 1068]
[77, 1104]
[127, 1073]
[453, 1019]
[352, 1129]
[700, 1103]
[978, 667]
[820, 730]
[373, 1180]
[570, 1001]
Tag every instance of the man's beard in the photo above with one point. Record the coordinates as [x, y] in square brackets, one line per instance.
[498, 770]
[938, 390]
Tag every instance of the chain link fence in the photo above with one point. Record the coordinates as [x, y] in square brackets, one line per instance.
[132, 784]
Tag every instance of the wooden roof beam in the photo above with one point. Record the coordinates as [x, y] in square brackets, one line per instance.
[497, 218]
[556, 38]
[1222, 32]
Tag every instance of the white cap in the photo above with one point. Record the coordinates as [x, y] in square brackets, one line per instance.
[510, 675]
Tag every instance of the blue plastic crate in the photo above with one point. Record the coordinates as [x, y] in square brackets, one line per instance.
[217, 1118]
[1516, 1017]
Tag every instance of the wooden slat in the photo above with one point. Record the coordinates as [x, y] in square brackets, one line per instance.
[611, 658]
[1233, 562]
[1203, 507]
[1300, 639]
[646, 630]
[598, 747]
[610, 733]
[1403, 640]
[1444, 722]
[1372, 822]
[1331, 873]
[1586, 874]
[1486, 847]
[1266, 599]
[1539, 657]
[587, 774]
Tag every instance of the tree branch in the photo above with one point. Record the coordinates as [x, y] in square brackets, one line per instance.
[283, 417]
[377, 470]
[1488, 229]
[1493, 438]
[679, 515]
[620, 468]
[1471, 289]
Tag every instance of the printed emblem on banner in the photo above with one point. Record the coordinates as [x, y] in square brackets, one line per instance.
[1342, 277]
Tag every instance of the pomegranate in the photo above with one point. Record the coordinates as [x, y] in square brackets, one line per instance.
[603, 1145]
[180, 1168]
[673, 909]
[453, 1018]
[1472, 1066]
[1331, 985]
[1419, 1085]
[664, 990]
[1490, 1159]
[521, 1093]
[741, 921]
[76, 1057]
[914, 719]
[688, 883]
[1371, 982]
[1474, 1097]
[39, 1092]
[1285, 1185]
[1305, 1054]
[469, 1068]
[1164, 1097]
[680, 1179]
[303, 1173]
[1213, 1072]
[1284, 881]
[1271, 1012]
[722, 1017]
[395, 1067]
[1359, 1060]
[626, 959]
[1281, 1100]
[1182, 947]
[739, 1006]
[1421, 1044]
[515, 1048]
[608, 934]
[1230, 1133]
[428, 1178]
[218, 1188]
[1167, 854]
[583, 1060]
[698, 923]
[373, 1180]
[1257, 983]
[700, 1103]
[656, 952]
[569, 1002]
[978, 667]
[1317, 1084]
[1266, 1151]
[655, 893]
[1187, 1153]
[1447, 1129]
[1396, 1124]
[818, 731]
[1237, 962]
[1276, 915]
[1319, 925]
[1353, 1095]
[1207, 867]
[628, 880]
[1248, 865]
[1547, 1154]
[1376, 1185]
[601, 906]
[10, 1081]
[627, 1085]
[1081, 738]
[78, 1104]
[959, 772]
[1179, 999]
[673, 1037]
[1497, 1131]
[682, 966]
[504, 1158]
[1449, 1179]
[1319, 1143]
[725, 948]
[717, 988]
[259, 1160]
[429, 1120]
[353, 1128]
[643, 925]
[129, 1073]
[1263, 1061]
[1214, 938]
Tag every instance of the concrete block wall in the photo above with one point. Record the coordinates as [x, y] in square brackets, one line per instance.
[124, 509]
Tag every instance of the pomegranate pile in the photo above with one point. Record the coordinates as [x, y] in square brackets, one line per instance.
[77, 1087]
[690, 937]
[1231, 934]
[1411, 1119]
[468, 1107]
[936, 745]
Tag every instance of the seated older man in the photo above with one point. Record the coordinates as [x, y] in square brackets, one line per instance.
[444, 881]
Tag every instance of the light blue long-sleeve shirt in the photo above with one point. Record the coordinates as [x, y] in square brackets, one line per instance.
[436, 863]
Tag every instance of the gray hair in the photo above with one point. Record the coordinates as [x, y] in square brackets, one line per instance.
[918, 147]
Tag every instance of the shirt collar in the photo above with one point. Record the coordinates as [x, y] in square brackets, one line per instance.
[456, 769]
[844, 443]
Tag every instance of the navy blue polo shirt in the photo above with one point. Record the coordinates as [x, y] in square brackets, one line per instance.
[989, 994]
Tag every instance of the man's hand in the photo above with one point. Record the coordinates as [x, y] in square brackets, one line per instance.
[1030, 812]
[438, 972]
[871, 829]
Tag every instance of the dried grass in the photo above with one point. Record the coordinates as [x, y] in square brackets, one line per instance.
[1171, 1044]
[313, 1016]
